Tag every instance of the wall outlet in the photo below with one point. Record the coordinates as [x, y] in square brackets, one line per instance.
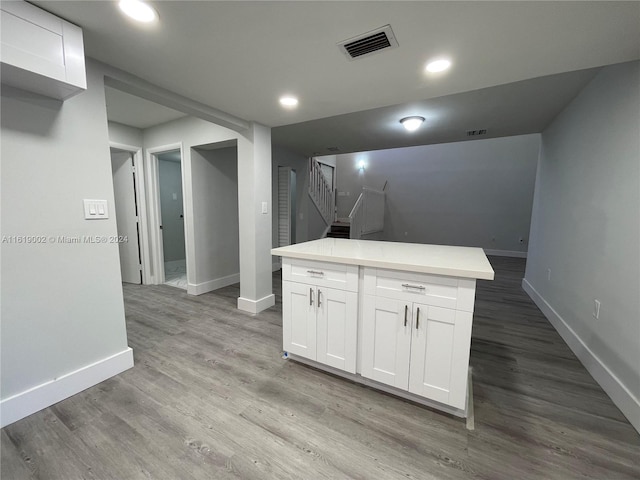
[548, 274]
[596, 309]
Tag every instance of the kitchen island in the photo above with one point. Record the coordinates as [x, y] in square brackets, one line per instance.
[394, 316]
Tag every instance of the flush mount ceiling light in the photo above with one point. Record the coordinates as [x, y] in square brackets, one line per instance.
[288, 101]
[439, 65]
[138, 10]
[412, 123]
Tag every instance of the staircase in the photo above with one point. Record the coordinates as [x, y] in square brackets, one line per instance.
[322, 195]
[339, 230]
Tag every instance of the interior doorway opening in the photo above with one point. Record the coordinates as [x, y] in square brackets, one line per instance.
[171, 201]
[125, 190]
[286, 206]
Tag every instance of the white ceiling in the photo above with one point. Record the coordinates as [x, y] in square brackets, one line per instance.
[239, 57]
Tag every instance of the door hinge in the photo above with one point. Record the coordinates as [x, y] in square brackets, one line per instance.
[133, 169]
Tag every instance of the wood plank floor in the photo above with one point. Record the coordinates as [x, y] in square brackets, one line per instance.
[211, 398]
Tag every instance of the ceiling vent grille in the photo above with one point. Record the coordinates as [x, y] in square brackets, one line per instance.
[369, 43]
[475, 133]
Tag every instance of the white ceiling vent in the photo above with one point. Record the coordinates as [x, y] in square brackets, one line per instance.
[369, 43]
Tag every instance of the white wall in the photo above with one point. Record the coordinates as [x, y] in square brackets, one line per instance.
[254, 187]
[476, 193]
[171, 201]
[215, 205]
[63, 324]
[586, 229]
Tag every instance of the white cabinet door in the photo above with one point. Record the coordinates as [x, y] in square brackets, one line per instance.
[386, 341]
[440, 354]
[299, 319]
[337, 320]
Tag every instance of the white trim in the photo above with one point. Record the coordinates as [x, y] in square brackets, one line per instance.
[141, 200]
[505, 253]
[42, 396]
[256, 306]
[209, 286]
[381, 386]
[610, 383]
[154, 219]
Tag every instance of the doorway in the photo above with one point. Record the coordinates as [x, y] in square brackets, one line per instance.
[286, 206]
[172, 218]
[127, 216]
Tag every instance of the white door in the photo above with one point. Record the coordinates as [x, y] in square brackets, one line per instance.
[299, 319]
[439, 354]
[126, 216]
[386, 341]
[337, 322]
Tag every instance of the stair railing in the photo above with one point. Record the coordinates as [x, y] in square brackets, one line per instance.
[322, 195]
[367, 215]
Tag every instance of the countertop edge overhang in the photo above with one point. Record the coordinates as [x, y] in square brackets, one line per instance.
[451, 261]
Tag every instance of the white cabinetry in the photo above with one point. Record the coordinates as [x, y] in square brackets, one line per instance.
[40, 52]
[416, 333]
[320, 311]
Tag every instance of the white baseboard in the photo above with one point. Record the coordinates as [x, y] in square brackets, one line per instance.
[42, 396]
[256, 306]
[624, 399]
[505, 253]
[211, 285]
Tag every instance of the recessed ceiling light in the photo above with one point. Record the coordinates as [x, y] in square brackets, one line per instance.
[438, 65]
[412, 123]
[288, 101]
[138, 10]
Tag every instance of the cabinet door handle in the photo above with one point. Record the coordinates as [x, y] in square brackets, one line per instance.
[310, 296]
[319, 301]
[315, 272]
[417, 287]
[418, 318]
[406, 310]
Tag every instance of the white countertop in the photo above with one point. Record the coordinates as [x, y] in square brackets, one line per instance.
[467, 262]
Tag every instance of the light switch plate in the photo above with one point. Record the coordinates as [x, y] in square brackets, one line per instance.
[265, 207]
[95, 209]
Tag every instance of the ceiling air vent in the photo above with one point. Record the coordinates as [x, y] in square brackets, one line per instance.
[475, 133]
[368, 43]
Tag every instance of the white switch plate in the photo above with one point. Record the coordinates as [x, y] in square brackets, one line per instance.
[95, 209]
[265, 207]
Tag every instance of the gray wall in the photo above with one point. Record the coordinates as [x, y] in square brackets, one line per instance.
[125, 135]
[62, 305]
[215, 208]
[476, 193]
[586, 229]
[170, 181]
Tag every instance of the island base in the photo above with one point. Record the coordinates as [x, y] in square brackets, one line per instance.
[467, 413]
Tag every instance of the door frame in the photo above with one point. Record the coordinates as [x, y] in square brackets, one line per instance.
[154, 217]
[138, 163]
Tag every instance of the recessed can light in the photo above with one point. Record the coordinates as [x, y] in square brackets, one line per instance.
[288, 101]
[138, 10]
[438, 65]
